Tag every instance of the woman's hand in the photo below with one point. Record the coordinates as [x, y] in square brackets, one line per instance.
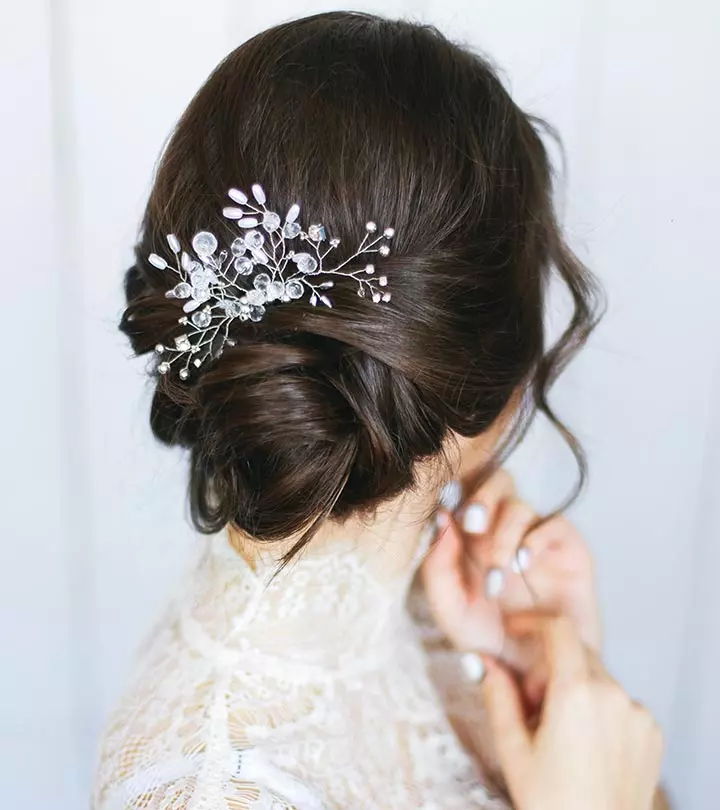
[488, 563]
[593, 747]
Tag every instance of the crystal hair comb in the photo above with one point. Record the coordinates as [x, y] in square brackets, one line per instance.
[260, 268]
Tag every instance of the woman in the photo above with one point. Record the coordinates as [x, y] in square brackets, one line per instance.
[341, 276]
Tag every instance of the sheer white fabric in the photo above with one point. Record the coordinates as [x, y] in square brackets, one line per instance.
[313, 689]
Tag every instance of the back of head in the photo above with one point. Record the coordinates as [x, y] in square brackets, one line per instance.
[317, 411]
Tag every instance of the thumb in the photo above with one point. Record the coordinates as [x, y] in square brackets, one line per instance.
[505, 711]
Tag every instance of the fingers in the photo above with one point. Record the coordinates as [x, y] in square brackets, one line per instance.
[504, 533]
[514, 520]
[444, 577]
[506, 715]
[481, 504]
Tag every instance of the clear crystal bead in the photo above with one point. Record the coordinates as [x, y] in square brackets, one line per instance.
[384, 250]
[271, 221]
[376, 297]
[294, 289]
[182, 290]
[248, 222]
[305, 262]
[388, 233]
[293, 213]
[291, 230]
[159, 348]
[361, 291]
[335, 242]
[197, 363]
[238, 247]
[243, 265]
[202, 318]
[256, 313]
[254, 239]
[370, 227]
[369, 269]
[201, 277]
[316, 233]
[382, 281]
[201, 294]
[234, 309]
[182, 343]
[255, 298]
[163, 368]
[231, 212]
[184, 374]
[204, 243]
[174, 243]
[261, 281]
[386, 296]
[275, 290]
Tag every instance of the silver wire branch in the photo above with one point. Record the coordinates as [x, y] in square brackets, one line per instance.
[261, 267]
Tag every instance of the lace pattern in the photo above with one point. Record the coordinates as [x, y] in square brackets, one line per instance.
[311, 690]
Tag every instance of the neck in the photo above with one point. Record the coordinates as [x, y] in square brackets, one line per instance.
[346, 589]
[387, 540]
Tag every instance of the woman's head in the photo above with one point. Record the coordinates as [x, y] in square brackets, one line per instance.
[319, 412]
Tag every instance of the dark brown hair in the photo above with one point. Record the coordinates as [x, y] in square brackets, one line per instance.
[326, 412]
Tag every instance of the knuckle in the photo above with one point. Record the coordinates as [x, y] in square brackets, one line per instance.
[515, 515]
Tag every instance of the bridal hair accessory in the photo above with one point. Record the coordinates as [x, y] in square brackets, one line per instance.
[260, 268]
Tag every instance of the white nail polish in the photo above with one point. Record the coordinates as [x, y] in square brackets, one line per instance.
[472, 667]
[521, 561]
[451, 495]
[494, 583]
[475, 519]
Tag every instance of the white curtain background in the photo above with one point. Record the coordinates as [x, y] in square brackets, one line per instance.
[94, 531]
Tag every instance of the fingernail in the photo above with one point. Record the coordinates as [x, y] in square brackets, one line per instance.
[451, 495]
[494, 583]
[472, 667]
[475, 519]
[521, 561]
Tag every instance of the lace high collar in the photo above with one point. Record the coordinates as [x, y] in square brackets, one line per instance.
[333, 601]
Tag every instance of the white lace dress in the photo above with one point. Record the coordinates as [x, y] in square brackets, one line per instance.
[317, 688]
